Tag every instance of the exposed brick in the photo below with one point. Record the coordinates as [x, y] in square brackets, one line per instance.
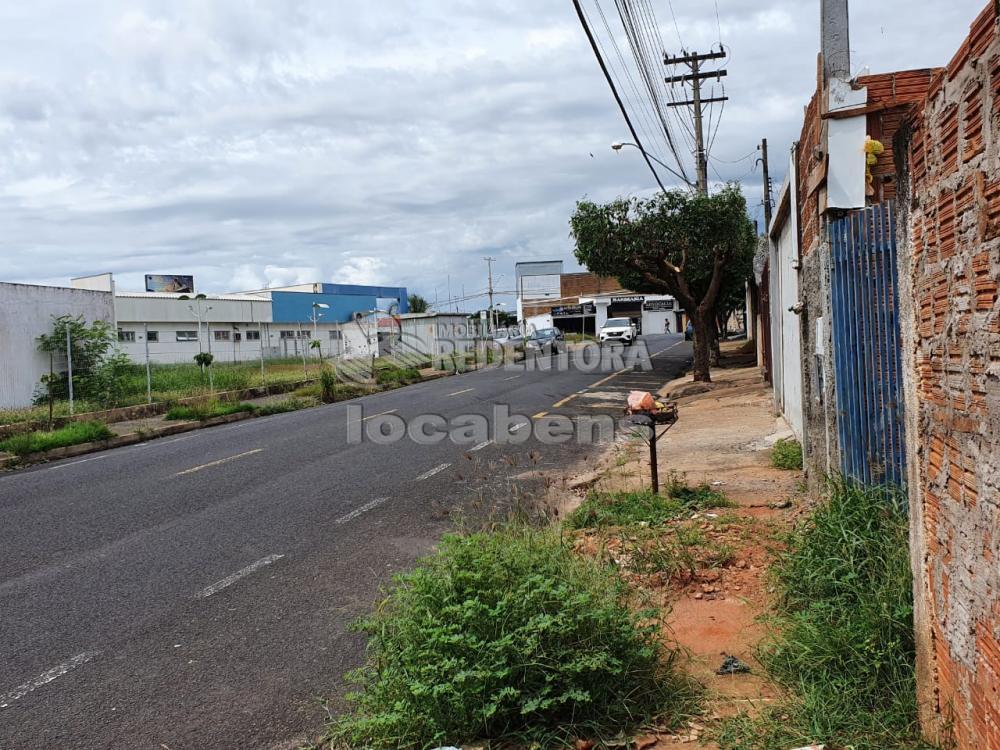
[952, 235]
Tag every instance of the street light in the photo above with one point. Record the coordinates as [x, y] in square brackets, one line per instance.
[619, 145]
[316, 315]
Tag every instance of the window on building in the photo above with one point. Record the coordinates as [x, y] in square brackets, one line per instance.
[126, 336]
[304, 334]
[252, 335]
[187, 335]
[153, 336]
[288, 334]
[221, 335]
[335, 336]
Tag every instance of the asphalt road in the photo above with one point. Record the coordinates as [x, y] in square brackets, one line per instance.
[195, 592]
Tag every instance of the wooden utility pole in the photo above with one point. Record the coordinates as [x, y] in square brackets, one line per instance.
[697, 102]
[767, 186]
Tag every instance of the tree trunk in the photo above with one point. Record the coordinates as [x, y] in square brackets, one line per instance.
[702, 349]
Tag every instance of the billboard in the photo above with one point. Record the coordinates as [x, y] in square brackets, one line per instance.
[170, 283]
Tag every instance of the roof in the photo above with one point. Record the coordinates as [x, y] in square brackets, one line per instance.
[185, 297]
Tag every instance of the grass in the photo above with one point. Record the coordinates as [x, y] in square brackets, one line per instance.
[390, 375]
[508, 636]
[786, 454]
[71, 434]
[842, 645]
[602, 509]
[206, 410]
[286, 405]
[678, 551]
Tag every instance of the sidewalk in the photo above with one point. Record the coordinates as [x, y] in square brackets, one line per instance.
[722, 437]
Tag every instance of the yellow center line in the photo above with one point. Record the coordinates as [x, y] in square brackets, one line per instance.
[457, 393]
[193, 469]
[539, 415]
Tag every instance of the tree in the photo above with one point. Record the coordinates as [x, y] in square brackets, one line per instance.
[417, 304]
[680, 243]
[92, 347]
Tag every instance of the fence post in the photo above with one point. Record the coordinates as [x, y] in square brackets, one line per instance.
[260, 337]
[149, 377]
[69, 366]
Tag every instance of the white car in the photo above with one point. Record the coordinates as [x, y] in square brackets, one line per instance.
[618, 329]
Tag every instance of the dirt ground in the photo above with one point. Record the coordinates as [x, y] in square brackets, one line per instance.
[723, 438]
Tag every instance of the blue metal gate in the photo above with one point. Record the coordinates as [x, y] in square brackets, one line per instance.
[866, 345]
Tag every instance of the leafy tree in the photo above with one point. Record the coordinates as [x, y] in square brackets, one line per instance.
[92, 345]
[417, 304]
[685, 244]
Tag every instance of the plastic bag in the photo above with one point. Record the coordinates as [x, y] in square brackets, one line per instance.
[641, 401]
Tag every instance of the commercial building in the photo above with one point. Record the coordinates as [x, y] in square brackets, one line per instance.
[583, 302]
[26, 312]
[433, 335]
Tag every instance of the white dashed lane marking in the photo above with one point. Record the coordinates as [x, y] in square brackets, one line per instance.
[242, 573]
[432, 472]
[46, 677]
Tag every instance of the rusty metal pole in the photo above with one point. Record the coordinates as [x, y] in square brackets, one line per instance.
[653, 471]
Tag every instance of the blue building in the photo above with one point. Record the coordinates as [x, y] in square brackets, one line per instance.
[295, 304]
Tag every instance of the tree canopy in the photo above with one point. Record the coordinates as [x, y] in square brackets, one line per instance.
[416, 303]
[689, 245]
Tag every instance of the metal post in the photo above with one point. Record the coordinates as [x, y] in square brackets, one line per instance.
[149, 376]
[653, 471]
[260, 336]
[302, 351]
[69, 366]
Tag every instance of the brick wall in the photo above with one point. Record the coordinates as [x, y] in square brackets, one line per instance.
[950, 225]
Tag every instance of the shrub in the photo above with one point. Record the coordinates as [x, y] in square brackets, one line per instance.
[396, 375]
[843, 644]
[328, 385]
[507, 635]
[786, 454]
[623, 508]
[72, 434]
[207, 410]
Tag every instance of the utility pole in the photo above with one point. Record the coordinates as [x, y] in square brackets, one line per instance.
[489, 320]
[697, 102]
[767, 186]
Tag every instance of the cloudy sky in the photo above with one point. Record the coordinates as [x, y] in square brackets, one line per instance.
[395, 142]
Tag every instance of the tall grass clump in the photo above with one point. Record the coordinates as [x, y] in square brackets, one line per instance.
[601, 509]
[507, 635]
[843, 643]
[787, 454]
[72, 434]
[208, 410]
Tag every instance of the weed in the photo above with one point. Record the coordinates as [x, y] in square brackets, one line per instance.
[396, 376]
[843, 645]
[786, 454]
[328, 385]
[206, 410]
[700, 497]
[286, 405]
[602, 509]
[508, 635]
[72, 434]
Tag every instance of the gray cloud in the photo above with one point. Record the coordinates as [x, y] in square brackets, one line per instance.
[361, 142]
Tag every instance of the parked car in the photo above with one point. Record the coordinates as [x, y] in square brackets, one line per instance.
[689, 332]
[545, 341]
[618, 329]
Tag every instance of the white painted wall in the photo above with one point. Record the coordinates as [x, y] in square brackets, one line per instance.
[787, 337]
[278, 340]
[26, 312]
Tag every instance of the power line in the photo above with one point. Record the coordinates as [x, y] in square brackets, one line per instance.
[618, 99]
